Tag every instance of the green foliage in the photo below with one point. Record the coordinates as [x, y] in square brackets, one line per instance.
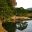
[21, 11]
[6, 9]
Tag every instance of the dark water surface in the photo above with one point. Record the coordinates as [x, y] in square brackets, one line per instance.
[28, 29]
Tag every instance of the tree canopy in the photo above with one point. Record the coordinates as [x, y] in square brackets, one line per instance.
[6, 9]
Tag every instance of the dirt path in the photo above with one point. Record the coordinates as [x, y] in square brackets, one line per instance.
[1, 28]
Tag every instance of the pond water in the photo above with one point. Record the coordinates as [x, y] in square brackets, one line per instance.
[28, 29]
[21, 27]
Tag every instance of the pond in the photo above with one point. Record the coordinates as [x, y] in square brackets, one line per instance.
[25, 26]
[28, 29]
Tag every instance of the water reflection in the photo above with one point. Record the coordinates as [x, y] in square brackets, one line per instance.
[9, 26]
[29, 27]
[18, 27]
[21, 25]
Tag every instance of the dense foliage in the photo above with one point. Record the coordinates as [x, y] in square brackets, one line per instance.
[6, 9]
[22, 12]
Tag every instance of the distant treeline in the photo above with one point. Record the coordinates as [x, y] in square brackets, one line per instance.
[21, 11]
